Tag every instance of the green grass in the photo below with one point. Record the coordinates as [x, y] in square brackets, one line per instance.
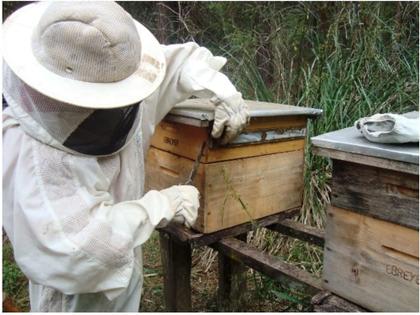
[15, 284]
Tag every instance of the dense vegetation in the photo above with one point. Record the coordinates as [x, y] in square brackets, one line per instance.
[351, 59]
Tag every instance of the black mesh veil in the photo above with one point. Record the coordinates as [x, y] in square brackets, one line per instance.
[103, 132]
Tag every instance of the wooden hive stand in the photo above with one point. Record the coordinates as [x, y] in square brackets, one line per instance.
[234, 255]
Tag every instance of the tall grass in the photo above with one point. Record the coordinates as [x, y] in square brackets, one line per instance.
[349, 59]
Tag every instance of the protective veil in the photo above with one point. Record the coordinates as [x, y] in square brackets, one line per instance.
[73, 201]
[70, 128]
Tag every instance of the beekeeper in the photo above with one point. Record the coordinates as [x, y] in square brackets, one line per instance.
[85, 86]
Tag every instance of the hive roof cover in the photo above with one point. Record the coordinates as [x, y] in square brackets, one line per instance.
[203, 109]
[352, 141]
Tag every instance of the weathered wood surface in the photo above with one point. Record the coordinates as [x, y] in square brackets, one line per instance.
[326, 302]
[300, 231]
[197, 239]
[176, 262]
[255, 150]
[385, 194]
[182, 140]
[367, 160]
[371, 262]
[233, 192]
[186, 141]
[266, 264]
[247, 189]
[232, 282]
[272, 123]
[165, 169]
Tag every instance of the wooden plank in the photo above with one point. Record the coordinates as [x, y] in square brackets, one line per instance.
[371, 262]
[176, 263]
[385, 194]
[270, 123]
[326, 302]
[247, 189]
[180, 139]
[164, 169]
[300, 231]
[266, 264]
[367, 160]
[265, 185]
[190, 149]
[240, 152]
[197, 239]
[186, 140]
[264, 136]
[232, 282]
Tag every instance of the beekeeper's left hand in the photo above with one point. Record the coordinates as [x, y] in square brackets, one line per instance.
[200, 76]
[230, 117]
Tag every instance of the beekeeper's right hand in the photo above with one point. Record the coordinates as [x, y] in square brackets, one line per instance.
[184, 201]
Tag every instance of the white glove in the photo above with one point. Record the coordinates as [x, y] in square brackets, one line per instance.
[230, 117]
[184, 201]
[389, 128]
[200, 77]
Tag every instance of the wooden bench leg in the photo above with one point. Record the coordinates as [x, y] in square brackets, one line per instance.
[176, 262]
[232, 282]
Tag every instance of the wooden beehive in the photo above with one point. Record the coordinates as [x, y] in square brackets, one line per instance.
[259, 174]
[371, 254]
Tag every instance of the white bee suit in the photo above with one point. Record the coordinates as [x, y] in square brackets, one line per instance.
[76, 221]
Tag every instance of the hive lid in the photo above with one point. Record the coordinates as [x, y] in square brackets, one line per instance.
[202, 110]
[352, 141]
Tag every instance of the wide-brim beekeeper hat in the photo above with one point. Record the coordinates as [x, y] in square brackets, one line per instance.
[88, 54]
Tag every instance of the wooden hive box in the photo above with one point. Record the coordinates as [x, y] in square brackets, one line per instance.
[371, 254]
[259, 174]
